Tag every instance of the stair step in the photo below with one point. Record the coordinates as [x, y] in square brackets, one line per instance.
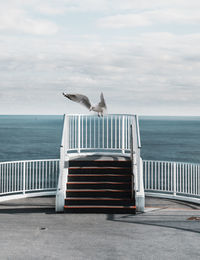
[100, 163]
[99, 177]
[98, 170]
[101, 209]
[103, 193]
[100, 201]
[99, 185]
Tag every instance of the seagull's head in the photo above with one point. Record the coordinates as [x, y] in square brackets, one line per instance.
[91, 108]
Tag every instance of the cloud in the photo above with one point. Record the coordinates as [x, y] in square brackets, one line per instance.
[48, 48]
[147, 70]
[148, 18]
[19, 21]
[121, 21]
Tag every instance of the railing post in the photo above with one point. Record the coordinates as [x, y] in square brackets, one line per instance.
[123, 150]
[133, 178]
[79, 133]
[60, 197]
[174, 190]
[24, 178]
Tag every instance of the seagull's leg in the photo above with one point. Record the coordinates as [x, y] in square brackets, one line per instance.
[99, 114]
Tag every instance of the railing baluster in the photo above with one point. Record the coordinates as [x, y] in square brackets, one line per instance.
[158, 165]
[90, 134]
[94, 132]
[11, 175]
[174, 193]
[162, 185]
[24, 177]
[82, 132]
[196, 179]
[86, 133]
[111, 133]
[152, 175]
[79, 133]
[123, 134]
[148, 175]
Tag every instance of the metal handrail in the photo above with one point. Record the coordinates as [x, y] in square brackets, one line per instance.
[87, 132]
[132, 162]
[177, 179]
[28, 176]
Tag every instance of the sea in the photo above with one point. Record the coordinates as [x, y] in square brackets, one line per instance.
[32, 137]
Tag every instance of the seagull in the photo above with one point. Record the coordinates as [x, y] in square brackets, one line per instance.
[99, 108]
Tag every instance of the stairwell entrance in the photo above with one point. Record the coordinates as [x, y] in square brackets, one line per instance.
[100, 165]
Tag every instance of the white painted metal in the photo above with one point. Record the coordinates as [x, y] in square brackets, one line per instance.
[178, 179]
[22, 177]
[175, 182]
[137, 168]
[33, 177]
[86, 132]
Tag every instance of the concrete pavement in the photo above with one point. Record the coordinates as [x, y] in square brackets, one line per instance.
[30, 229]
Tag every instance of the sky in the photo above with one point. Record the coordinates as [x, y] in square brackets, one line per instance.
[143, 55]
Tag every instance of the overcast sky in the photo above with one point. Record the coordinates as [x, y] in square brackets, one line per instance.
[143, 55]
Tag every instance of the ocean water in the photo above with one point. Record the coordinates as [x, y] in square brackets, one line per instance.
[39, 137]
[30, 137]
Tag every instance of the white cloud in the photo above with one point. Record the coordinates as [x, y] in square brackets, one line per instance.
[149, 71]
[19, 21]
[126, 20]
[147, 18]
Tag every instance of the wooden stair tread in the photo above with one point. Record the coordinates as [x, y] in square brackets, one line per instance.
[87, 198]
[99, 160]
[99, 206]
[99, 190]
[102, 174]
[92, 167]
[95, 187]
[97, 182]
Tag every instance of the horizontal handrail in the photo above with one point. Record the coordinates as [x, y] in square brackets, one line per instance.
[39, 160]
[92, 115]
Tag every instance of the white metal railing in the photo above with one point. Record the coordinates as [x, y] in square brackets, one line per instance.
[22, 177]
[108, 133]
[87, 133]
[172, 178]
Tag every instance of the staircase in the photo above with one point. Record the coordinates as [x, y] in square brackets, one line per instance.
[100, 186]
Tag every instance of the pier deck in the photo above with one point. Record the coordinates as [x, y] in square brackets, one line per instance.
[30, 229]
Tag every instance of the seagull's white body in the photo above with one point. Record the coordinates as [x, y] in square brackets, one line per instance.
[99, 108]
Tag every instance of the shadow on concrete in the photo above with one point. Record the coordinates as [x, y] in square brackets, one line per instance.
[190, 226]
[27, 210]
[169, 203]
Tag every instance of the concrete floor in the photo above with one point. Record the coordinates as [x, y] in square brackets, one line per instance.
[30, 229]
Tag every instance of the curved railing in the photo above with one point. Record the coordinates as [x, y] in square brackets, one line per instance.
[40, 177]
[28, 178]
[177, 180]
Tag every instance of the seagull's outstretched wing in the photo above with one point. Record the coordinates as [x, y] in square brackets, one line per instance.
[79, 99]
[102, 102]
